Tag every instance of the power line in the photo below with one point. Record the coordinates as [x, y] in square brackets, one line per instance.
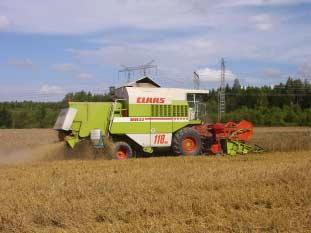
[130, 71]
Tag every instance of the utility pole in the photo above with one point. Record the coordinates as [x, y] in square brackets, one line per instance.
[196, 80]
[222, 92]
[130, 70]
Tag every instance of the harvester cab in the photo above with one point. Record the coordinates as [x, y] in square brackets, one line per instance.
[144, 117]
[197, 106]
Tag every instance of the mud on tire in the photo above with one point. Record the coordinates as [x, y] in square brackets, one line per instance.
[187, 141]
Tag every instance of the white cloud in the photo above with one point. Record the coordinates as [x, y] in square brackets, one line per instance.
[4, 23]
[264, 2]
[273, 73]
[264, 26]
[64, 68]
[226, 33]
[80, 16]
[204, 50]
[21, 63]
[177, 58]
[84, 76]
[208, 30]
[263, 22]
[51, 90]
[185, 51]
[212, 75]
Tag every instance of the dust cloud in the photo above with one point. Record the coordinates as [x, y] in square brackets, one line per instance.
[52, 152]
[49, 152]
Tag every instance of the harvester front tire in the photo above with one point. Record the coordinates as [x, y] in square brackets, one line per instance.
[186, 142]
[122, 151]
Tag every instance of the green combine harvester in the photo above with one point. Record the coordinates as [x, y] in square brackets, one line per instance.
[144, 117]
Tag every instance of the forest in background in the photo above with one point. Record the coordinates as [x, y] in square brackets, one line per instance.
[286, 104]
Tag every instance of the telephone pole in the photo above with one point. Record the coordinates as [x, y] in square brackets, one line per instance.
[222, 92]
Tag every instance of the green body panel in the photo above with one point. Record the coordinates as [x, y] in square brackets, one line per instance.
[139, 110]
[148, 150]
[98, 116]
[130, 128]
[73, 140]
[162, 127]
[145, 110]
[235, 147]
[90, 116]
[145, 127]
[118, 109]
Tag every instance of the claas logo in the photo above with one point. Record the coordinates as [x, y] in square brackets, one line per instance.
[150, 100]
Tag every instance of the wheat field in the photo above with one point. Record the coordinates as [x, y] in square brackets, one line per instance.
[268, 192]
[254, 193]
[276, 139]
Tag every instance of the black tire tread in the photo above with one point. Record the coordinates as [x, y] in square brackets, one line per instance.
[125, 144]
[178, 137]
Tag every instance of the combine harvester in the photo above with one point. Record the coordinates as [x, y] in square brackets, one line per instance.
[144, 117]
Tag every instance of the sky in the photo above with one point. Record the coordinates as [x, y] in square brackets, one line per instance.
[51, 47]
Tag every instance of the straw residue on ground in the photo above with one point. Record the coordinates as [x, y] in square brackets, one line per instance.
[254, 193]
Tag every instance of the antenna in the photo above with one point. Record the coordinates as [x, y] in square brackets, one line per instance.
[131, 70]
[222, 92]
[196, 80]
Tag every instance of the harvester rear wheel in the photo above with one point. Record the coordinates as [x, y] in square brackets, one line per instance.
[187, 142]
[122, 151]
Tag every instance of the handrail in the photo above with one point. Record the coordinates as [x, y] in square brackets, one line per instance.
[113, 111]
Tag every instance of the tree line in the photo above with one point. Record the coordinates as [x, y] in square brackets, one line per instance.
[286, 104]
[29, 114]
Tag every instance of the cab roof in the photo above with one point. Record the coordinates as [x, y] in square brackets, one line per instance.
[143, 82]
